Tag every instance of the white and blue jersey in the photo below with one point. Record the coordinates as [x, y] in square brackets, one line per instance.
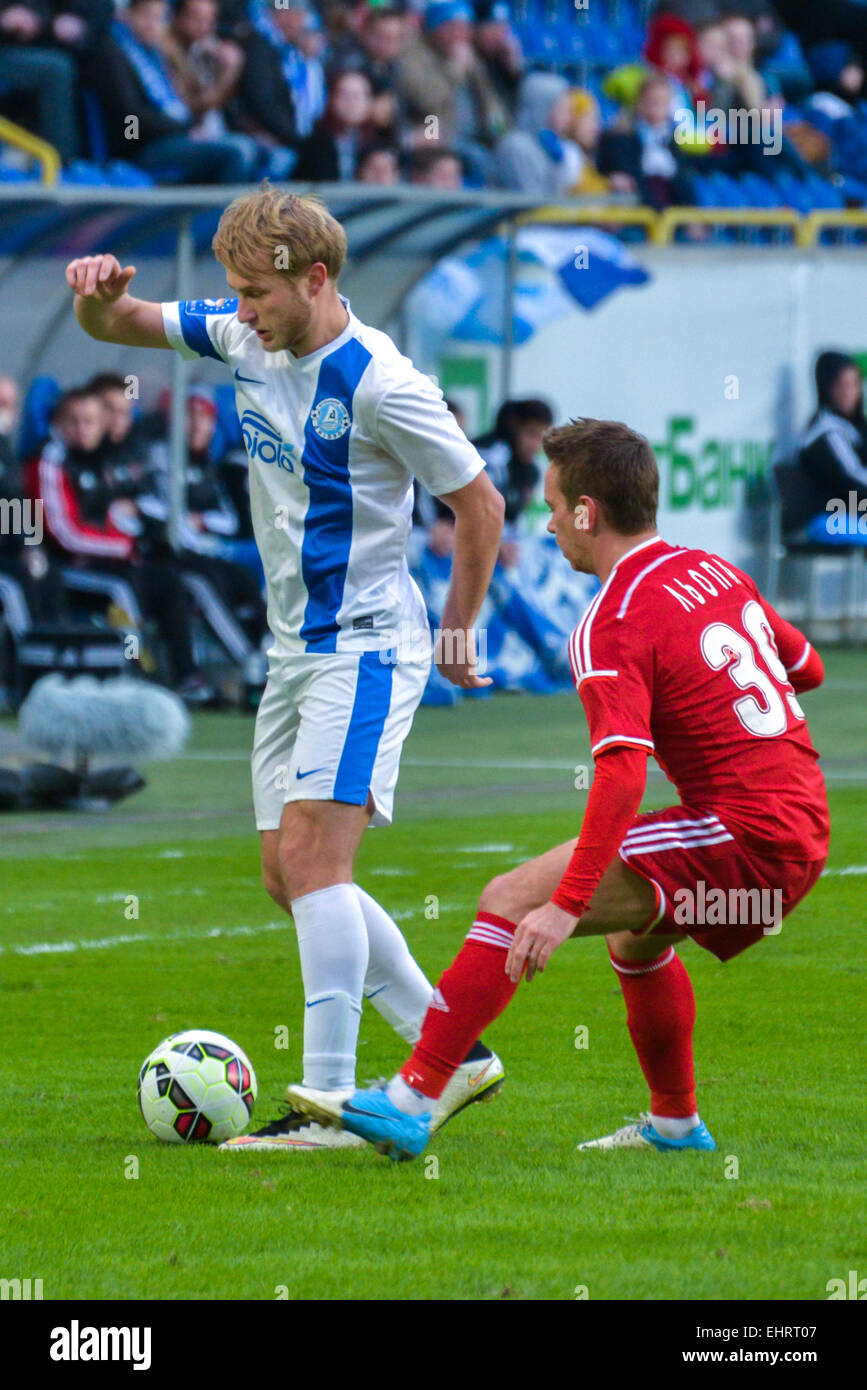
[334, 440]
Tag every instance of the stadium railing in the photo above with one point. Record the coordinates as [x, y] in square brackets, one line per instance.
[46, 155]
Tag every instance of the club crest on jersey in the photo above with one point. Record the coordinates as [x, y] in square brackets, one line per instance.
[264, 443]
[330, 418]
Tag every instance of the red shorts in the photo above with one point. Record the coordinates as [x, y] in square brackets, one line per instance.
[724, 897]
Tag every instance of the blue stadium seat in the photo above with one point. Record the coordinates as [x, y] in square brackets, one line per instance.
[36, 414]
[9, 174]
[792, 191]
[83, 171]
[759, 192]
[823, 193]
[122, 175]
[724, 191]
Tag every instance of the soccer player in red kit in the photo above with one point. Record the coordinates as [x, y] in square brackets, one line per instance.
[678, 657]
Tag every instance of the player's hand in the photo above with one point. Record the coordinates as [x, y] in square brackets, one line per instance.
[538, 935]
[456, 659]
[99, 277]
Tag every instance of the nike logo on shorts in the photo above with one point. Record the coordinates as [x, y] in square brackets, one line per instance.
[299, 775]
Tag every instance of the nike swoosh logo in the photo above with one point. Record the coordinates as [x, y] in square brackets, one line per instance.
[474, 1080]
[350, 1109]
[253, 381]
[299, 775]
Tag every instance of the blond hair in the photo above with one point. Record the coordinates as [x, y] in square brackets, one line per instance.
[290, 232]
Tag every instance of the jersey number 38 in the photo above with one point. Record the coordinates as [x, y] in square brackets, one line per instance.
[742, 655]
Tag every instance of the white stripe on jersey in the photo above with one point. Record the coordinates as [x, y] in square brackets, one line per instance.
[672, 555]
[581, 635]
[648, 847]
[655, 826]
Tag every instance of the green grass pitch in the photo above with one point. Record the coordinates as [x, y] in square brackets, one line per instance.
[509, 1209]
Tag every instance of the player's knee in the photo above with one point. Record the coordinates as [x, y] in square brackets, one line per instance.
[303, 848]
[275, 887]
[502, 896]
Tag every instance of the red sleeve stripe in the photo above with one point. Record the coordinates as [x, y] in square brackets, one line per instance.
[802, 660]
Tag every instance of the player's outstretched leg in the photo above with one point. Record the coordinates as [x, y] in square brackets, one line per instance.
[399, 1118]
[400, 991]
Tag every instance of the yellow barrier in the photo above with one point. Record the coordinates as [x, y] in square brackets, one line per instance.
[816, 222]
[45, 155]
[594, 215]
[662, 226]
[668, 221]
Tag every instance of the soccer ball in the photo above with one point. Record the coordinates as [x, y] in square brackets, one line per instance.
[196, 1086]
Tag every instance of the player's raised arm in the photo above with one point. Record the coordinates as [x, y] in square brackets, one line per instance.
[105, 309]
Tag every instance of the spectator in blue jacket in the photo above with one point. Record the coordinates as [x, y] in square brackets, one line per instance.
[837, 108]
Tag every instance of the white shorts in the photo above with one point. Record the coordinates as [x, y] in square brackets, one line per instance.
[331, 727]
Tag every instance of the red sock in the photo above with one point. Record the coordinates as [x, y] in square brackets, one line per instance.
[471, 994]
[660, 1015]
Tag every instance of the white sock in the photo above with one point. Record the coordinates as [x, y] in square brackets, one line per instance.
[332, 941]
[406, 1099]
[671, 1128]
[395, 985]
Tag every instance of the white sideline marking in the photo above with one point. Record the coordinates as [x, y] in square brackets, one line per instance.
[843, 873]
[103, 943]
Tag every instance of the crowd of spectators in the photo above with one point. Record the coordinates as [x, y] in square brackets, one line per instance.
[530, 95]
[102, 549]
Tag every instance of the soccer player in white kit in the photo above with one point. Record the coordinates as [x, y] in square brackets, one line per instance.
[336, 424]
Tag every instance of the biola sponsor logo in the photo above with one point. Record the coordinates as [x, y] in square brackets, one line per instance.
[22, 517]
[76, 1343]
[264, 443]
[737, 126]
[742, 907]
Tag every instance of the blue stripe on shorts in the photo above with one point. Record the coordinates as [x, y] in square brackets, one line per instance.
[367, 721]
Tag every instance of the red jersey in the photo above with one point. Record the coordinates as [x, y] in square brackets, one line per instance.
[679, 654]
